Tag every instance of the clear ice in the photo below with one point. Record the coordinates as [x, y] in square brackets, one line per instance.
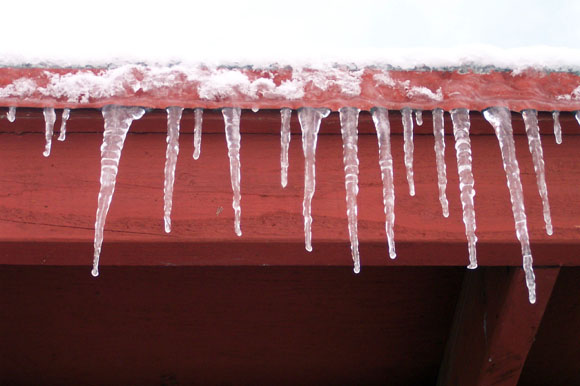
[49, 119]
[557, 127]
[284, 144]
[577, 116]
[198, 114]
[349, 131]
[64, 119]
[11, 114]
[535, 145]
[383, 127]
[439, 134]
[118, 119]
[461, 125]
[419, 117]
[173, 119]
[232, 127]
[310, 119]
[408, 146]
[500, 119]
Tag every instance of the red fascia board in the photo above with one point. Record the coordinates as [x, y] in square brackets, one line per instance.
[393, 89]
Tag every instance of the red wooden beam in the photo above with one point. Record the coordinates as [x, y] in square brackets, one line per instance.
[287, 87]
[494, 327]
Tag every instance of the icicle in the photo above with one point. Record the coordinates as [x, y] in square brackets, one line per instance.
[535, 145]
[557, 127]
[232, 123]
[284, 144]
[118, 119]
[310, 124]
[439, 134]
[383, 127]
[255, 109]
[500, 119]
[198, 113]
[577, 116]
[11, 114]
[349, 131]
[49, 119]
[408, 147]
[173, 119]
[419, 117]
[461, 125]
[64, 119]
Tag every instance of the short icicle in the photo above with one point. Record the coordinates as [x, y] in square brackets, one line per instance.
[408, 146]
[64, 119]
[310, 119]
[198, 115]
[173, 120]
[118, 119]
[233, 139]
[500, 119]
[11, 114]
[285, 136]
[349, 131]
[557, 127]
[577, 116]
[439, 134]
[535, 145]
[383, 127]
[461, 126]
[419, 117]
[49, 119]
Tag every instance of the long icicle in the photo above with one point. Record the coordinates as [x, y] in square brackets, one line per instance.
[557, 127]
[349, 131]
[49, 119]
[198, 114]
[408, 146]
[64, 119]
[500, 119]
[383, 127]
[310, 119]
[173, 120]
[285, 136]
[118, 119]
[439, 134]
[535, 145]
[11, 115]
[461, 125]
[233, 139]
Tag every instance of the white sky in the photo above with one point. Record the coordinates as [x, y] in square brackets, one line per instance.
[84, 32]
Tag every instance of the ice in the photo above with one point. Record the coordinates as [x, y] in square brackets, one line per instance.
[383, 127]
[419, 117]
[285, 136]
[255, 109]
[500, 119]
[198, 114]
[11, 114]
[557, 127]
[118, 119]
[173, 119]
[577, 115]
[49, 119]
[439, 134]
[233, 138]
[535, 144]
[349, 131]
[461, 125]
[64, 119]
[310, 119]
[408, 146]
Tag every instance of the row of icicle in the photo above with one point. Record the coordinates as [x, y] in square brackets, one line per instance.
[118, 119]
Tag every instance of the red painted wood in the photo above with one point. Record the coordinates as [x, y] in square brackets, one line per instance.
[224, 325]
[49, 205]
[142, 86]
[494, 327]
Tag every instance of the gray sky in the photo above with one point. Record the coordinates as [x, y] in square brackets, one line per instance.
[181, 29]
